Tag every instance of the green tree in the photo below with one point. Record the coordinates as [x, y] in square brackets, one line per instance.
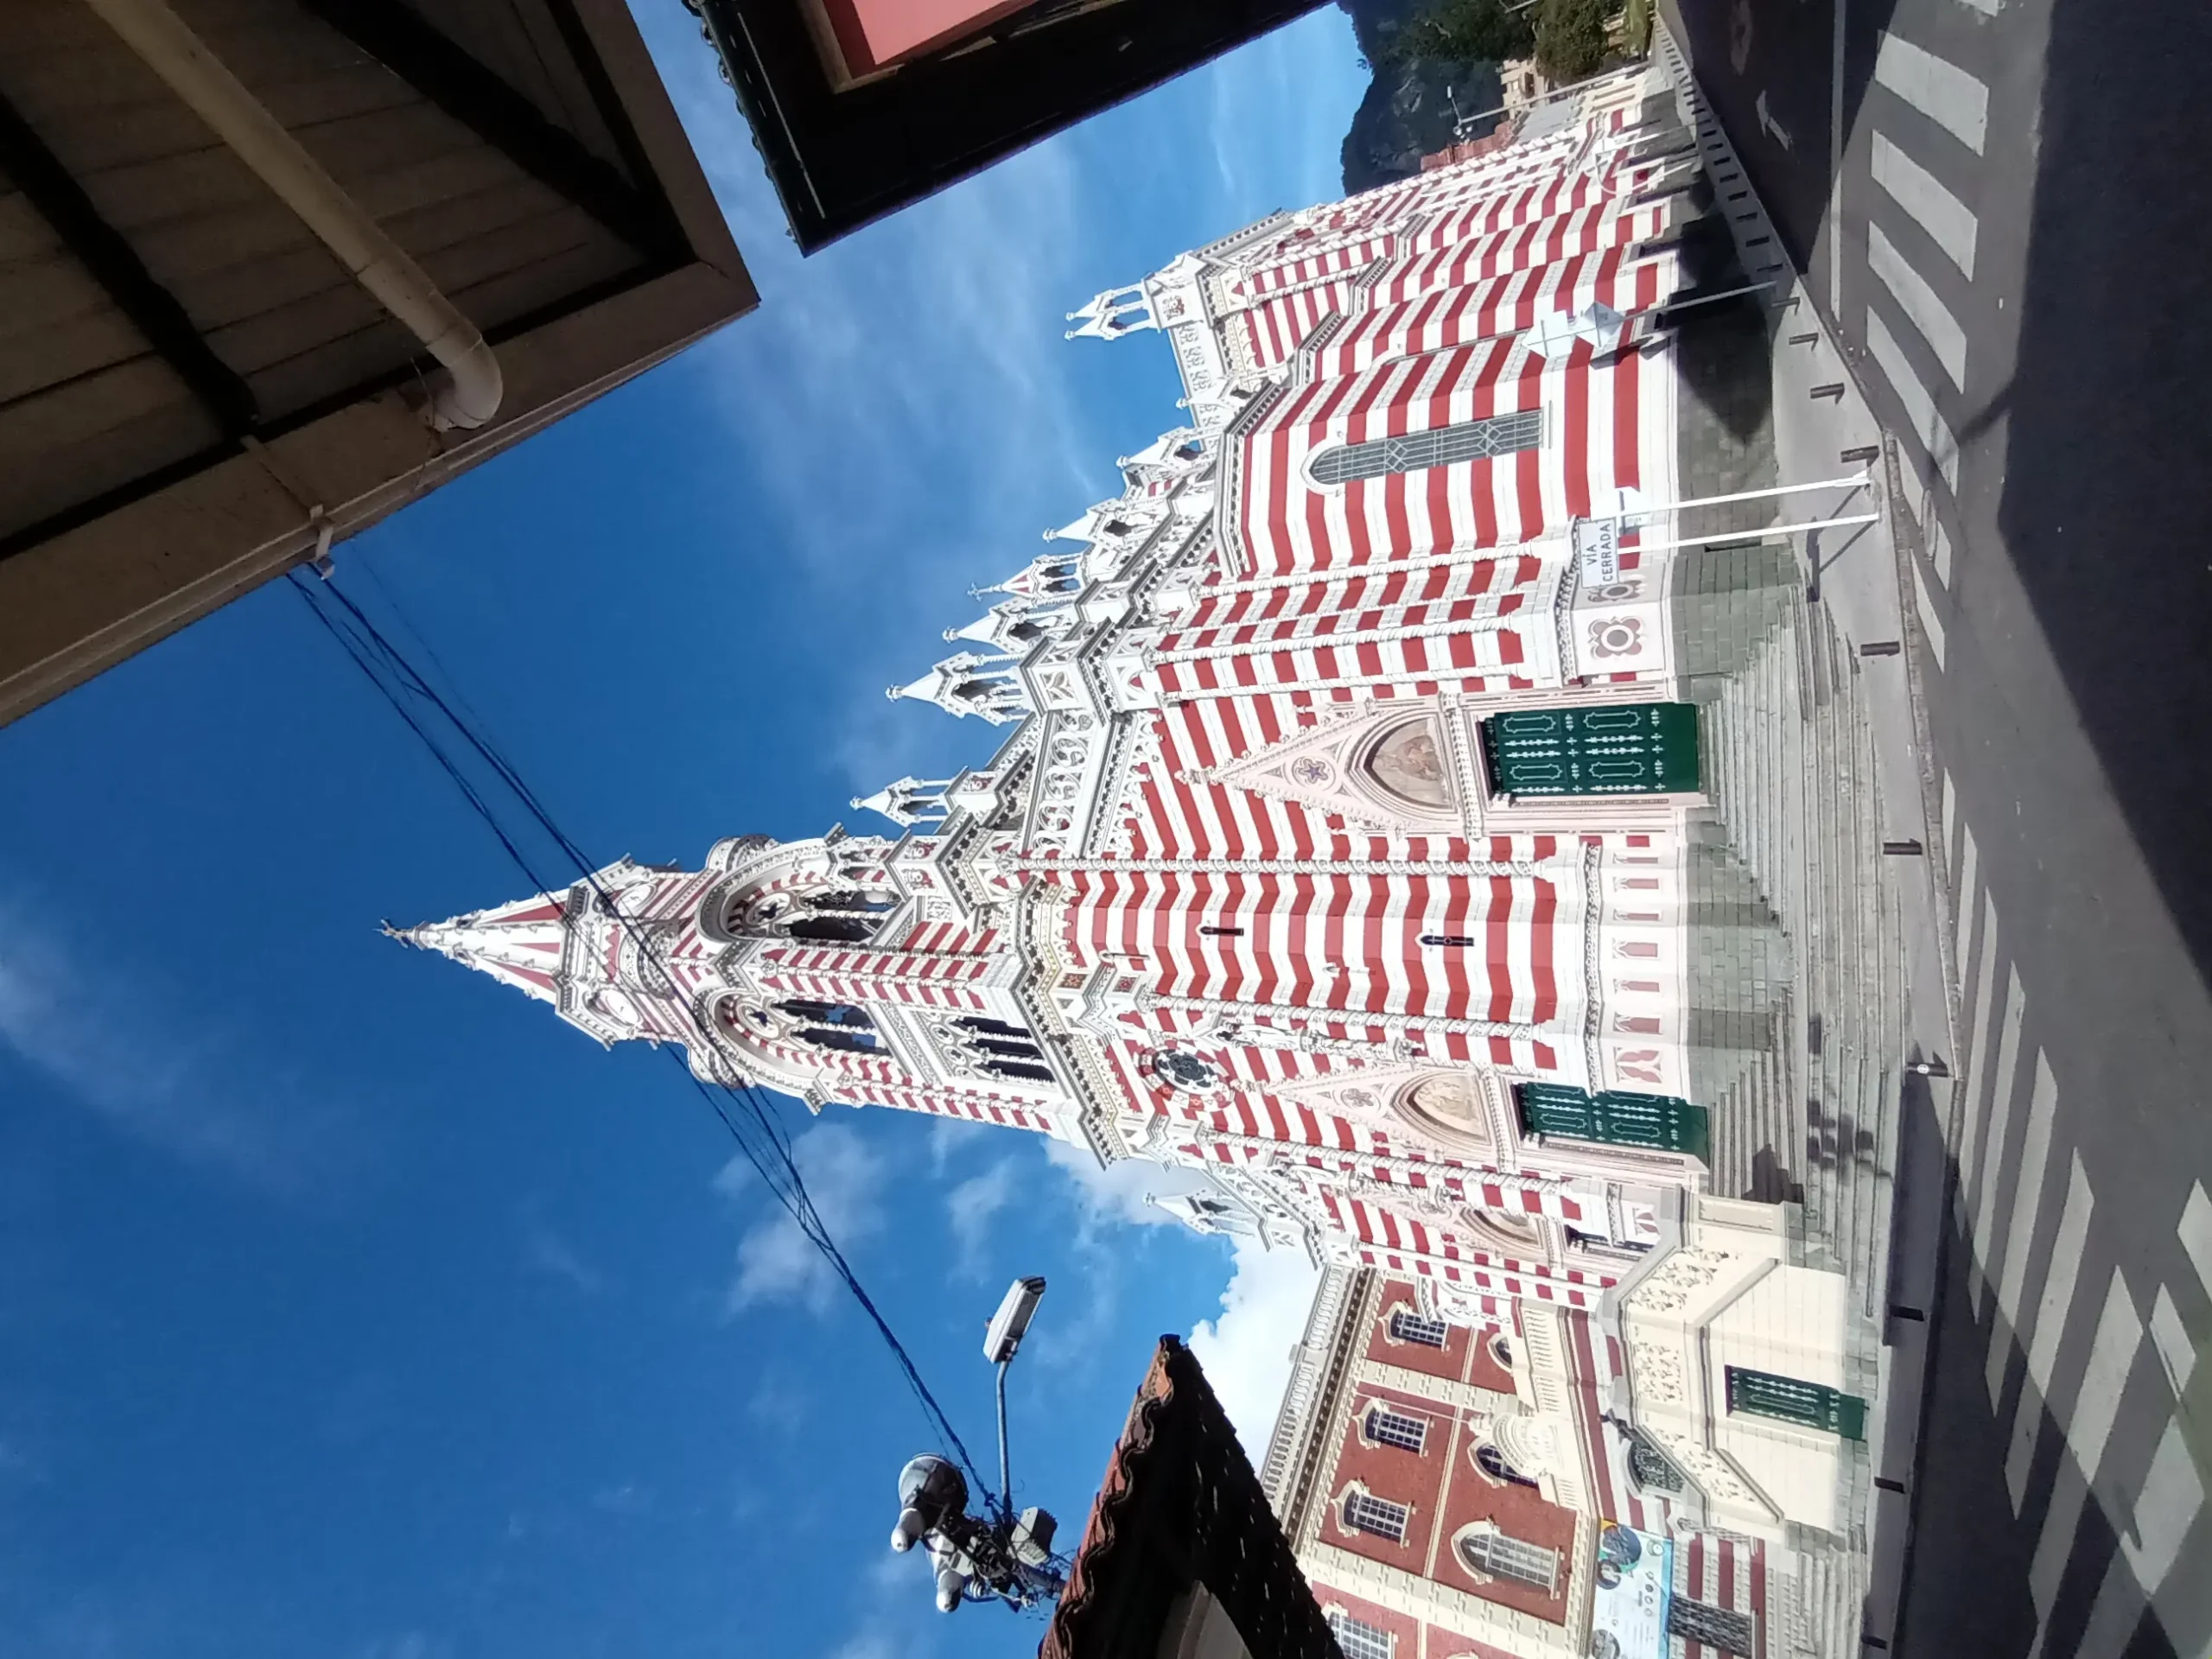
[1571, 41]
[1465, 31]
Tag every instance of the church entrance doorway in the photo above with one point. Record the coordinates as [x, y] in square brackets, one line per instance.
[1611, 748]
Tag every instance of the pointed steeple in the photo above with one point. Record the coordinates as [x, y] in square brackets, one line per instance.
[971, 683]
[518, 945]
[1116, 312]
[909, 801]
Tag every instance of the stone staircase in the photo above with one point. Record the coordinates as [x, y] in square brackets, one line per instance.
[1793, 781]
[1813, 1118]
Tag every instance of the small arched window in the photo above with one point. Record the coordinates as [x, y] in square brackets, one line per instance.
[1357, 1639]
[1444, 446]
[1493, 1463]
[1398, 1428]
[1377, 1517]
[1405, 1325]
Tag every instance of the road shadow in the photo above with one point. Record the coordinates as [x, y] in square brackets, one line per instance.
[1969, 1577]
[2108, 486]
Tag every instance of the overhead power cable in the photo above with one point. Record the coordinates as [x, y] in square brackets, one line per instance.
[743, 1110]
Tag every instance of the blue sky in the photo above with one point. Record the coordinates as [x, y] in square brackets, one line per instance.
[350, 1305]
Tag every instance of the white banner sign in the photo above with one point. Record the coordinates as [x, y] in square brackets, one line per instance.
[1597, 546]
[1635, 1580]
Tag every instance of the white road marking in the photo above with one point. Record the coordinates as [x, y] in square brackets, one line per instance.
[1946, 220]
[2111, 1354]
[2115, 1615]
[1993, 1149]
[1929, 624]
[2119, 1333]
[1923, 306]
[1940, 90]
[1988, 8]
[1963, 932]
[2166, 1510]
[2171, 1338]
[2195, 1233]
[1951, 841]
[1912, 499]
[2027, 1192]
[2054, 1546]
[2051, 1315]
[1978, 1034]
[1939, 551]
[2052, 1312]
[1926, 422]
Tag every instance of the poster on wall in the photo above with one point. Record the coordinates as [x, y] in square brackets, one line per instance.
[1635, 1582]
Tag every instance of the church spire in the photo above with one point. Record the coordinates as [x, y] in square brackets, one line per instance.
[518, 945]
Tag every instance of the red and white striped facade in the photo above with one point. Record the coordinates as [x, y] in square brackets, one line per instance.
[1239, 878]
[1232, 948]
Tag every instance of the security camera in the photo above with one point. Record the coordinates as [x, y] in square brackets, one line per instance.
[1011, 1323]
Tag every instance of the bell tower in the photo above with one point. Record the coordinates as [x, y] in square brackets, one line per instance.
[827, 969]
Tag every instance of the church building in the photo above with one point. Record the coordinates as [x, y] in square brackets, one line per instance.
[1389, 832]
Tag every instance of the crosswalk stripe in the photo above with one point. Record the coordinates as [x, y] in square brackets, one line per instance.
[1940, 90]
[1986, 8]
[1939, 551]
[1963, 931]
[2062, 1520]
[1949, 221]
[2195, 1234]
[1923, 306]
[2166, 1509]
[1992, 1148]
[2112, 1353]
[2027, 1193]
[2051, 1315]
[1970, 1124]
[2171, 1338]
[2115, 1615]
[1929, 624]
[2052, 1310]
[1926, 422]
[1951, 847]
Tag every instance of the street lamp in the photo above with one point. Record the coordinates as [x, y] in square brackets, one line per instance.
[1001, 1556]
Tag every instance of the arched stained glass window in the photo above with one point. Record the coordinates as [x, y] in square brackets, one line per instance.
[1444, 446]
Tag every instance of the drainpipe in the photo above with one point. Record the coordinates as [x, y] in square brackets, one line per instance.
[471, 388]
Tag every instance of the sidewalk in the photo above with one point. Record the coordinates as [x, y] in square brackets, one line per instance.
[1875, 981]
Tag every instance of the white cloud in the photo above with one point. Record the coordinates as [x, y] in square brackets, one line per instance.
[545, 1251]
[952, 1136]
[780, 1401]
[778, 1262]
[971, 1206]
[1299, 88]
[172, 1077]
[1246, 1350]
[1110, 1194]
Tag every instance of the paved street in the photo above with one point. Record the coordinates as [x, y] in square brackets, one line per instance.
[2010, 252]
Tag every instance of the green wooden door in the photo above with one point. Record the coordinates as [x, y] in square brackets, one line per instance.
[1614, 748]
[1616, 1117]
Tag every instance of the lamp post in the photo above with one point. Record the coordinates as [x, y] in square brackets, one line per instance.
[999, 1556]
